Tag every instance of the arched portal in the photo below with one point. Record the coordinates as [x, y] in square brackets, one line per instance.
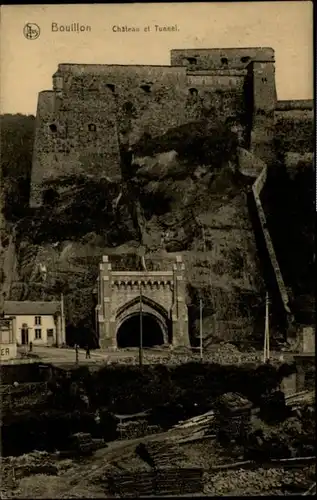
[159, 294]
[155, 324]
[128, 334]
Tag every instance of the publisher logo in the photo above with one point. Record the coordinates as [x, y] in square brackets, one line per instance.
[31, 31]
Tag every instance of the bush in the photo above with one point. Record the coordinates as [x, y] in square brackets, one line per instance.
[132, 388]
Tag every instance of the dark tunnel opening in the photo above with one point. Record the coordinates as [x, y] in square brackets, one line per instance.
[128, 334]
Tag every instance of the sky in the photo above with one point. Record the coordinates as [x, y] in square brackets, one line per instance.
[27, 66]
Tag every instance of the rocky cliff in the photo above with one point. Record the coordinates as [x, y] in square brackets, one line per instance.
[181, 193]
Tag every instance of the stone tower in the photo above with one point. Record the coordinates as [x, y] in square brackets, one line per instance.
[95, 108]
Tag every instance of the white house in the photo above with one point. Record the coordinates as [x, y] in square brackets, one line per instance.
[41, 323]
[8, 346]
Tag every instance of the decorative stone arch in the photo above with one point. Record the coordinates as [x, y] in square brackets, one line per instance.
[149, 308]
[163, 298]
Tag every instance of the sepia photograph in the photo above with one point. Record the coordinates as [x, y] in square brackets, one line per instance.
[157, 257]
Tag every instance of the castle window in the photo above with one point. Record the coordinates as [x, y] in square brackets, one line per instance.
[193, 92]
[264, 80]
[245, 59]
[192, 60]
[146, 88]
[53, 128]
[92, 127]
[128, 107]
[111, 87]
[224, 61]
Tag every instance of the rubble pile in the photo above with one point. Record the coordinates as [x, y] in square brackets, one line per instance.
[257, 482]
[232, 403]
[294, 437]
[24, 395]
[40, 486]
[14, 469]
[223, 353]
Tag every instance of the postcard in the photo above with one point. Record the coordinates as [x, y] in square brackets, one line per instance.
[157, 249]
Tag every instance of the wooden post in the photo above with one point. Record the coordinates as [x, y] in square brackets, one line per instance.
[76, 348]
[266, 354]
[141, 330]
[63, 337]
[201, 329]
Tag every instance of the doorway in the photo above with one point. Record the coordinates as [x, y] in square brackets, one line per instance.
[128, 334]
[24, 336]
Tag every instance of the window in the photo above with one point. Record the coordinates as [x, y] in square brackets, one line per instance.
[192, 60]
[38, 333]
[192, 96]
[50, 196]
[92, 127]
[53, 127]
[128, 107]
[50, 332]
[224, 61]
[245, 59]
[38, 320]
[146, 88]
[111, 87]
[193, 92]
[189, 61]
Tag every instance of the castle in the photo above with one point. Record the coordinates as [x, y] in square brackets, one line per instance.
[94, 109]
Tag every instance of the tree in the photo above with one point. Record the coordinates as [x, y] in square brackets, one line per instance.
[17, 136]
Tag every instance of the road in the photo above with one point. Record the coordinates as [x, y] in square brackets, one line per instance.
[54, 354]
[68, 355]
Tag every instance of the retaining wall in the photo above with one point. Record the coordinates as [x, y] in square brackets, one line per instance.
[256, 190]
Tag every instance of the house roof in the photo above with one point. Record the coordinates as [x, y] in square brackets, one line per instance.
[27, 307]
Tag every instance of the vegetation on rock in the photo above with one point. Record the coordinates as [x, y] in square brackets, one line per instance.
[180, 193]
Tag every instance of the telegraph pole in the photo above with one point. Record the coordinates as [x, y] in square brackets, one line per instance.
[268, 327]
[76, 352]
[141, 330]
[63, 337]
[201, 329]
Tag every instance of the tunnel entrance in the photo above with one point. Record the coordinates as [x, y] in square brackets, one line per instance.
[128, 334]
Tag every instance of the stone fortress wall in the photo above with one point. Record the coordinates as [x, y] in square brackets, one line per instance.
[94, 107]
